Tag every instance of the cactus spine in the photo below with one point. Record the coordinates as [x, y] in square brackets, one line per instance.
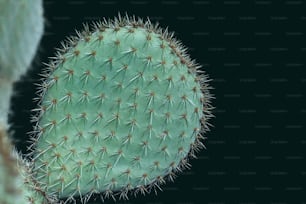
[122, 107]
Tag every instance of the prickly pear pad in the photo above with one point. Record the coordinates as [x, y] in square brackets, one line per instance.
[122, 107]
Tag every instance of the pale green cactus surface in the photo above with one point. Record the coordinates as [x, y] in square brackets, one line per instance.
[21, 28]
[122, 109]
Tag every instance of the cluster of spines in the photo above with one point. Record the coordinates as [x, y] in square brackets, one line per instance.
[16, 175]
[33, 192]
[176, 47]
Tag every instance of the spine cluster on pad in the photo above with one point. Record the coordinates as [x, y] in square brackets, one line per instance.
[122, 108]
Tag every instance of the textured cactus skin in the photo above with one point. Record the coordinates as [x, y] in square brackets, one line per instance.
[121, 108]
[21, 28]
[30, 190]
[16, 183]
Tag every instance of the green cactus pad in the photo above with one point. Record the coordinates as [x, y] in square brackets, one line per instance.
[30, 190]
[16, 183]
[9, 176]
[122, 107]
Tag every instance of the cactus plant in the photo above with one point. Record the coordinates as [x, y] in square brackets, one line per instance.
[6, 88]
[21, 28]
[16, 182]
[122, 107]
[9, 192]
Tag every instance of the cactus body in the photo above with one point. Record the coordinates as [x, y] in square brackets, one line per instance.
[6, 88]
[30, 191]
[122, 107]
[21, 28]
[9, 176]
[16, 183]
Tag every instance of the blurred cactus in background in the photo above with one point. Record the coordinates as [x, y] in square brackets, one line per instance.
[21, 28]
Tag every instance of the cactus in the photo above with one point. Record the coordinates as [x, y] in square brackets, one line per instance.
[6, 88]
[21, 28]
[9, 192]
[31, 191]
[17, 184]
[122, 108]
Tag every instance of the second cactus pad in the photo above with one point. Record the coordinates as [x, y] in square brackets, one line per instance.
[122, 107]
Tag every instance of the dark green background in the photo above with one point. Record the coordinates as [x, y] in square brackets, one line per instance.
[255, 53]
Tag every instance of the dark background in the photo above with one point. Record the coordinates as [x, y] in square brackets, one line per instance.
[255, 53]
